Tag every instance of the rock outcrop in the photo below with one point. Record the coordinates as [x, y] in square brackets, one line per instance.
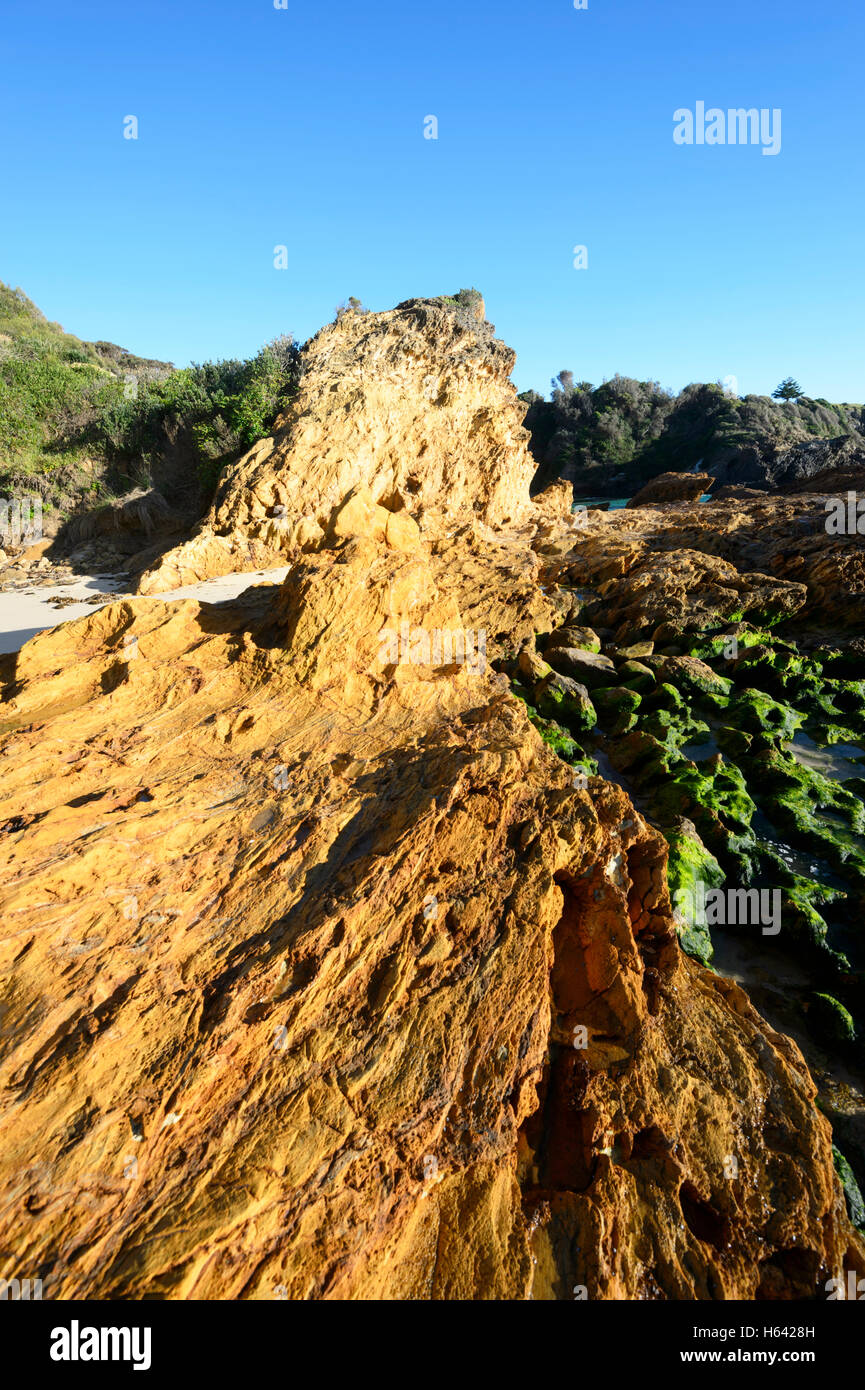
[797, 467]
[415, 406]
[673, 487]
[328, 972]
[772, 554]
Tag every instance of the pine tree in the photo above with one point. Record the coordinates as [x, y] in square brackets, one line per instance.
[789, 390]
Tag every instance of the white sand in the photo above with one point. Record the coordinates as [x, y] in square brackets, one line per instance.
[24, 613]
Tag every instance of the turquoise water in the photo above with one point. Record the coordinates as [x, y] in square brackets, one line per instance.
[614, 502]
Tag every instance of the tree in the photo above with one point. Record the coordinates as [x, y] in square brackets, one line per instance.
[351, 305]
[789, 390]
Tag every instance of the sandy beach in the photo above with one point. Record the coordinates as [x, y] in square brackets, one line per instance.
[25, 612]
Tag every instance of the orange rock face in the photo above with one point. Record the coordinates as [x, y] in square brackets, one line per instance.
[766, 553]
[323, 979]
[415, 406]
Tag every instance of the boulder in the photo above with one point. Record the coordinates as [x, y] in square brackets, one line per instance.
[672, 487]
[586, 666]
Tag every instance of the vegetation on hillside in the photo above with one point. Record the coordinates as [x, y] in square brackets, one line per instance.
[208, 413]
[631, 430]
[82, 422]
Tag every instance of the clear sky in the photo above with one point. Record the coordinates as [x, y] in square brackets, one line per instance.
[304, 127]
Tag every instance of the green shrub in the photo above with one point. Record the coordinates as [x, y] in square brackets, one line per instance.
[221, 408]
[638, 426]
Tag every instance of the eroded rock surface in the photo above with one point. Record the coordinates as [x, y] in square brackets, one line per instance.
[415, 406]
[327, 973]
[774, 551]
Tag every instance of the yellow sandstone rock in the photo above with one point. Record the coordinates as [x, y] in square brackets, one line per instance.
[412, 404]
[320, 978]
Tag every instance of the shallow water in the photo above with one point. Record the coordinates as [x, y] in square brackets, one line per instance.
[615, 503]
[700, 752]
[609, 773]
[837, 761]
[801, 861]
[780, 988]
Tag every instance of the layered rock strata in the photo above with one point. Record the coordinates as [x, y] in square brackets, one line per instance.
[330, 967]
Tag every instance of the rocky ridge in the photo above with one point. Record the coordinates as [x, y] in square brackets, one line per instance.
[332, 969]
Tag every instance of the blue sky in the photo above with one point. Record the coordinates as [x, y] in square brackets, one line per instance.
[304, 127]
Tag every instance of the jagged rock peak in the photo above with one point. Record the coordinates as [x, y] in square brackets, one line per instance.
[413, 408]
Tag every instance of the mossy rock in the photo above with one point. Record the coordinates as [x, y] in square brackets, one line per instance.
[852, 1192]
[831, 1021]
[663, 726]
[531, 667]
[673, 728]
[816, 696]
[812, 890]
[644, 759]
[718, 644]
[585, 765]
[638, 651]
[714, 787]
[757, 713]
[582, 638]
[570, 635]
[847, 696]
[804, 925]
[617, 708]
[665, 696]
[760, 657]
[716, 705]
[830, 733]
[734, 742]
[690, 863]
[694, 677]
[590, 668]
[520, 691]
[636, 676]
[844, 664]
[712, 648]
[713, 795]
[556, 738]
[800, 793]
[566, 702]
[808, 928]
[771, 617]
[670, 634]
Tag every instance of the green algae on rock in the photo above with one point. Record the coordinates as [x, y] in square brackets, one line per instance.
[690, 864]
[565, 700]
[832, 1019]
[852, 1192]
[579, 637]
[617, 707]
